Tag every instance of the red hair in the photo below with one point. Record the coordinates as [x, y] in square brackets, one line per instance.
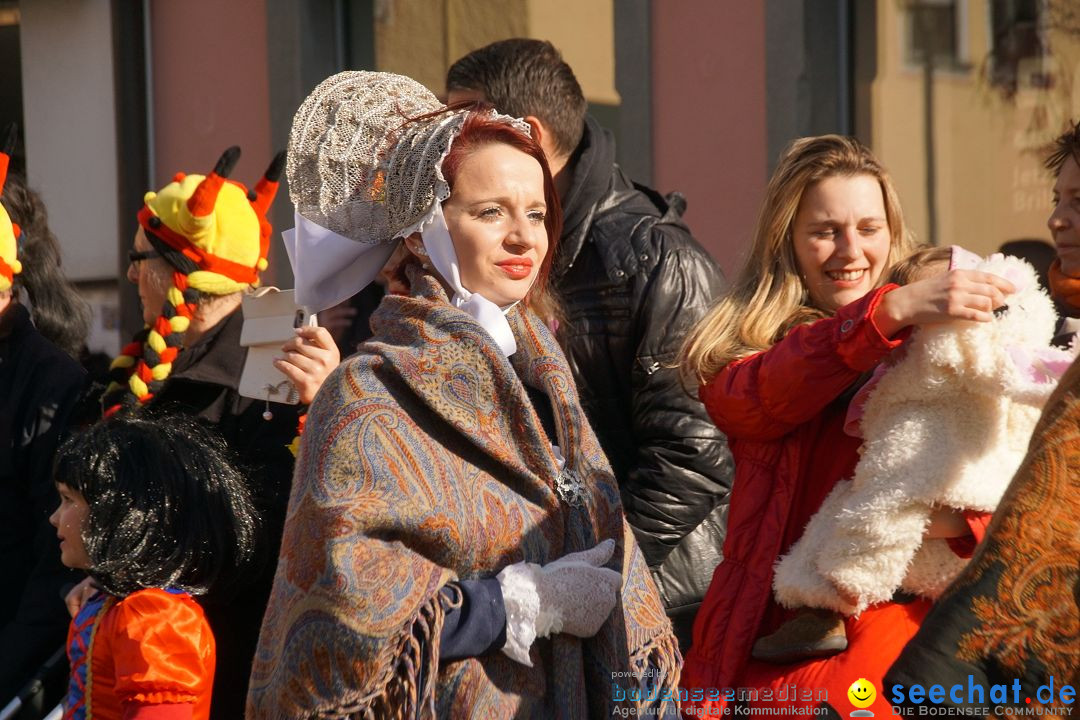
[480, 130]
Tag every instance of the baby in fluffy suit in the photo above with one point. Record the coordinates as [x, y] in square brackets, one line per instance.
[946, 424]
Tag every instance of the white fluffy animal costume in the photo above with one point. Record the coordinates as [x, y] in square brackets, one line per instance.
[946, 426]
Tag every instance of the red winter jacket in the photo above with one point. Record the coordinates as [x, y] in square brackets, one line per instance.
[785, 430]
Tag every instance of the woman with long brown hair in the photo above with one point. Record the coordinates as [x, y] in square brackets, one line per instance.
[777, 361]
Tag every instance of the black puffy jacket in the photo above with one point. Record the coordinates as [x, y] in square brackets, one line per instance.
[633, 281]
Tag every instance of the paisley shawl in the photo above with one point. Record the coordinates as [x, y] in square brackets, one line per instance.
[423, 461]
[1014, 613]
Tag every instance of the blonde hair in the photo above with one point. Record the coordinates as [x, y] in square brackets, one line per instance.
[769, 297]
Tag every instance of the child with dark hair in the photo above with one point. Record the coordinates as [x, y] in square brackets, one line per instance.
[152, 509]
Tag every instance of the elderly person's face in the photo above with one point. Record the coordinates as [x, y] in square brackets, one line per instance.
[1064, 221]
[495, 215]
[152, 275]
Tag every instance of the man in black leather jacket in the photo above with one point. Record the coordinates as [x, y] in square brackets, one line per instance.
[632, 281]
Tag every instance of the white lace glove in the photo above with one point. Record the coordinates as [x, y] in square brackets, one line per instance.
[574, 595]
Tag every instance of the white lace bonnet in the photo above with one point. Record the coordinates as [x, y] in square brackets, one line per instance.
[362, 175]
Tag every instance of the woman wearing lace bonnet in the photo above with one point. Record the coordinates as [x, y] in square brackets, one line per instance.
[454, 545]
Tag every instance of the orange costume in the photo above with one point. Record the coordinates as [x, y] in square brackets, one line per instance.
[148, 655]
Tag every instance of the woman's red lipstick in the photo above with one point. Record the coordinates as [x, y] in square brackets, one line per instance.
[516, 268]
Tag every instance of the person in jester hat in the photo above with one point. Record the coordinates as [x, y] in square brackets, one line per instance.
[39, 385]
[141, 646]
[200, 245]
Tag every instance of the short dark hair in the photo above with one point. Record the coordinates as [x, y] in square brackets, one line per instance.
[167, 508]
[1065, 146]
[521, 77]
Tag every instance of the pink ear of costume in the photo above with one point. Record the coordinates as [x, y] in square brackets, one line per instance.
[1042, 366]
[1015, 274]
[962, 259]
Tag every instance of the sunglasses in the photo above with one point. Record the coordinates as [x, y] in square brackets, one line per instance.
[135, 256]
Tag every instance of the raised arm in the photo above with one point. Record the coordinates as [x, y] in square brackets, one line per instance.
[769, 394]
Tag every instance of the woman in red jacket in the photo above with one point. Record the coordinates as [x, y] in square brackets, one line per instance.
[777, 361]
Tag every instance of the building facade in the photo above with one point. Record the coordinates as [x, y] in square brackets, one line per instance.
[957, 97]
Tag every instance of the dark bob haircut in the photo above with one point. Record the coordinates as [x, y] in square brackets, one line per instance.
[167, 508]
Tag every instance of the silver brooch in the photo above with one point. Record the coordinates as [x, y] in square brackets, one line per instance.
[570, 488]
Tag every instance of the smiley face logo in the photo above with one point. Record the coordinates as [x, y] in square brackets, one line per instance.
[862, 693]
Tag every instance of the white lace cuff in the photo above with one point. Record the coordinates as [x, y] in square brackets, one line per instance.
[522, 603]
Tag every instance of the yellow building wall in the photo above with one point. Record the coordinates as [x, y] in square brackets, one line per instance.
[584, 31]
[422, 38]
[989, 150]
